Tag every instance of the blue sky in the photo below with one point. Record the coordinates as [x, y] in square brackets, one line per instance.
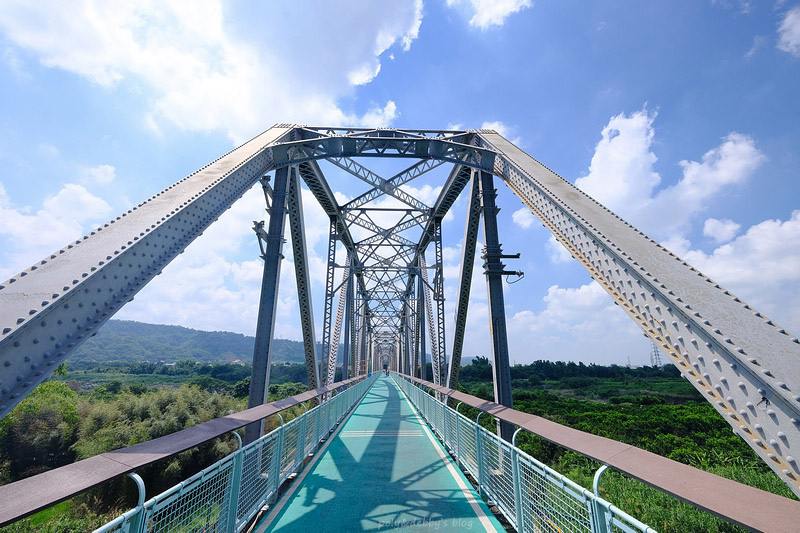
[682, 117]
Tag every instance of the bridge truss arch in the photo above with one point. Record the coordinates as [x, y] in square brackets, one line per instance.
[384, 300]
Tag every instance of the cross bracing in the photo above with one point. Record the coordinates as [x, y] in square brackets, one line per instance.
[385, 282]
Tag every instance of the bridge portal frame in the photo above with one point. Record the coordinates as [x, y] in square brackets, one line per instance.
[744, 365]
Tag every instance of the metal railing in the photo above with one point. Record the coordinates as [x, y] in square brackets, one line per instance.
[228, 494]
[529, 494]
[708, 492]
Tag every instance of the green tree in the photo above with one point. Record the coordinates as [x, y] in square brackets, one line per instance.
[38, 433]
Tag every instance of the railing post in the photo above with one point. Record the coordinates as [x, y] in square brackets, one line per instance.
[444, 421]
[138, 521]
[458, 435]
[479, 446]
[277, 456]
[300, 453]
[235, 487]
[517, 487]
[317, 422]
[599, 512]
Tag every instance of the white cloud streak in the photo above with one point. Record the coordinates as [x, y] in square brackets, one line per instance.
[30, 235]
[789, 32]
[488, 13]
[720, 230]
[523, 218]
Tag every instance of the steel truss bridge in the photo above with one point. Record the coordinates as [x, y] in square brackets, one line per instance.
[384, 290]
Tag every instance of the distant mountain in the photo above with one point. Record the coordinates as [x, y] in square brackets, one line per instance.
[124, 341]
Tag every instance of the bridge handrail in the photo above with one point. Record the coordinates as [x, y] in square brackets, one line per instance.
[744, 505]
[28, 496]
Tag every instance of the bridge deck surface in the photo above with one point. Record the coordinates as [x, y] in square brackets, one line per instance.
[383, 470]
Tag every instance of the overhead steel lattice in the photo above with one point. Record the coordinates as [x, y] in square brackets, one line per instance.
[384, 295]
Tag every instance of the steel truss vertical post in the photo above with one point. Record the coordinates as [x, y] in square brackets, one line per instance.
[348, 319]
[400, 334]
[370, 362]
[337, 328]
[423, 364]
[408, 324]
[329, 294]
[471, 230]
[352, 370]
[438, 285]
[268, 303]
[417, 319]
[300, 254]
[432, 329]
[493, 269]
[361, 368]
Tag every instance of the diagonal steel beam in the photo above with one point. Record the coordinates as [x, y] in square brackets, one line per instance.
[365, 174]
[414, 171]
[300, 254]
[268, 302]
[469, 243]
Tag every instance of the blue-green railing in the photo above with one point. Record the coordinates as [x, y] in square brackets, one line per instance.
[531, 496]
[228, 494]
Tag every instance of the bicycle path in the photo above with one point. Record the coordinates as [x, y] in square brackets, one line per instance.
[383, 470]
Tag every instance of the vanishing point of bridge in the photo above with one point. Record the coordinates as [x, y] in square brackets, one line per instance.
[384, 304]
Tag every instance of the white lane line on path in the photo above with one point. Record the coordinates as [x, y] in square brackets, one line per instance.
[367, 433]
[484, 519]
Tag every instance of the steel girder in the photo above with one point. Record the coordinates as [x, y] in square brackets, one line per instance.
[413, 172]
[337, 328]
[330, 291]
[324, 144]
[299, 254]
[419, 338]
[268, 301]
[51, 308]
[465, 281]
[433, 330]
[744, 365]
[349, 319]
[365, 174]
[493, 269]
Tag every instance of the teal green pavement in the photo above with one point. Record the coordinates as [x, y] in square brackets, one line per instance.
[384, 470]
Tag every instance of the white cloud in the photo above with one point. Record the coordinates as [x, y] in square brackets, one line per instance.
[789, 32]
[577, 324]
[556, 251]
[502, 129]
[487, 13]
[378, 117]
[523, 218]
[11, 60]
[621, 175]
[200, 71]
[758, 42]
[101, 174]
[720, 230]
[29, 236]
[365, 73]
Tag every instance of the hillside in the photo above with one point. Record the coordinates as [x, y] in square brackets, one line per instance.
[124, 341]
